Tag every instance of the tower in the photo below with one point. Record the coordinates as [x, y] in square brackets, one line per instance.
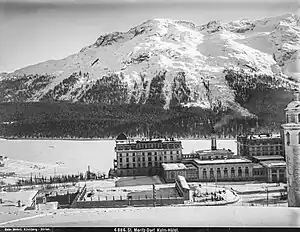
[213, 140]
[292, 151]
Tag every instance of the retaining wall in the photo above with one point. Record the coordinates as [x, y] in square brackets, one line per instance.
[125, 203]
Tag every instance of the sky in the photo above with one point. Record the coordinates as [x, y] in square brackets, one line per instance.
[33, 31]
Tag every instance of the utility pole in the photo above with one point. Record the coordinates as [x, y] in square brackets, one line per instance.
[267, 196]
[154, 195]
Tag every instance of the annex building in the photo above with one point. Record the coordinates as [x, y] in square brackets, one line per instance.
[210, 165]
[259, 145]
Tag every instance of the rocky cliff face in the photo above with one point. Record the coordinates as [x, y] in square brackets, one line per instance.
[166, 62]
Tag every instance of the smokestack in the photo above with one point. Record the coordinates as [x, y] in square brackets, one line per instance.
[296, 96]
[213, 140]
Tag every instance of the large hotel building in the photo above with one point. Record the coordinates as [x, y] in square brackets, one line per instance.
[164, 157]
[260, 145]
[144, 157]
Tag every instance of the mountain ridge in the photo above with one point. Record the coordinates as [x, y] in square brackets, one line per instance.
[167, 62]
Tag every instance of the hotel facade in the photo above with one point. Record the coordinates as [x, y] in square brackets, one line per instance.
[260, 145]
[144, 157]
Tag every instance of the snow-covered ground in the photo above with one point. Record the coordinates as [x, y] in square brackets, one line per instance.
[10, 200]
[193, 216]
[138, 180]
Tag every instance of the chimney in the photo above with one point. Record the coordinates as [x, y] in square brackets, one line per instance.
[213, 140]
[296, 96]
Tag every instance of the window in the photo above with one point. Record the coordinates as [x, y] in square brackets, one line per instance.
[133, 165]
[171, 157]
[211, 173]
[288, 138]
[120, 159]
[133, 154]
[149, 153]
[133, 159]
[246, 171]
[225, 173]
[155, 158]
[149, 158]
[127, 165]
[292, 118]
[160, 158]
[204, 174]
[299, 138]
[287, 118]
[239, 172]
[127, 159]
[298, 118]
[144, 159]
[218, 173]
[139, 159]
[232, 173]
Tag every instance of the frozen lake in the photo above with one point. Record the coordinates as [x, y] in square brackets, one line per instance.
[73, 156]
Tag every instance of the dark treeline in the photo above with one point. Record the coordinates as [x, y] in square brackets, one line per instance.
[264, 96]
[63, 119]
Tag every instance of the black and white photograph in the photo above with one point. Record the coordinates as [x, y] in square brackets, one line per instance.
[149, 115]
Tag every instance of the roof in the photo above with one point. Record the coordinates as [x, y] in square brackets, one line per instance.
[294, 105]
[173, 166]
[121, 136]
[269, 157]
[183, 182]
[273, 163]
[58, 191]
[190, 166]
[257, 166]
[215, 152]
[222, 161]
[264, 136]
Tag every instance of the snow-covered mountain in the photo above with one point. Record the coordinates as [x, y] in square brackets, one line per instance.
[161, 61]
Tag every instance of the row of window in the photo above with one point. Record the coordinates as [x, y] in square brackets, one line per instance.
[148, 146]
[133, 171]
[265, 148]
[264, 153]
[232, 173]
[150, 158]
[141, 165]
[149, 153]
[258, 172]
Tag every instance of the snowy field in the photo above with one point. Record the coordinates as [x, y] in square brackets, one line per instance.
[138, 180]
[46, 157]
[136, 192]
[224, 216]
[10, 200]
